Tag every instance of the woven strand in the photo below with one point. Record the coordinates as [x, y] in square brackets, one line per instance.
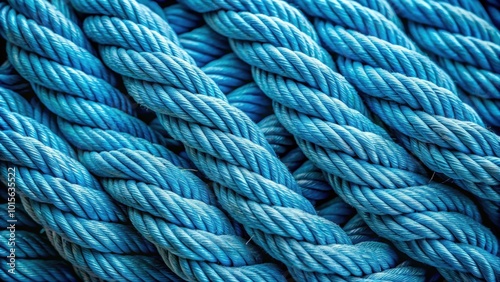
[234, 78]
[173, 95]
[229, 255]
[232, 75]
[469, 50]
[335, 26]
[357, 155]
[35, 258]
[50, 174]
[442, 131]
[70, 81]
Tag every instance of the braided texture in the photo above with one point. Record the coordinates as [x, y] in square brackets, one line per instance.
[438, 127]
[322, 110]
[35, 258]
[467, 46]
[60, 192]
[56, 58]
[165, 208]
[232, 76]
[251, 183]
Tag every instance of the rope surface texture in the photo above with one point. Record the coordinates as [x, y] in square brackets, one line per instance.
[250, 140]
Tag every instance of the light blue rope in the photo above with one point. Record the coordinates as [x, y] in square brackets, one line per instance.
[229, 256]
[36, 259]
[17, 116]
[493, 8]
[467, 45]
[376, 59]
[232, 75]
[234, 78]
[49, 174]
[218, 154]
[468, 48]
[71, 81]
[12, 81]
[280, 140]
[361, 159]
[313, 185]
[203, 51]
[182, 19]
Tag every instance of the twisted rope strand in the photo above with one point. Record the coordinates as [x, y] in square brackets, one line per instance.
[365, 166]
[50, 174]
[77, 97]
[118, 157]
[442, 131]
[467, 46]
[232, 75]
[36, 260]
[229, 149]
[182, 19]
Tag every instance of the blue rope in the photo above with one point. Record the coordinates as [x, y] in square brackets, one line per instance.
[229, 255]
[473, 63]
[466, 44]
[35, 259]
[219, 152]
[310, 179]
[358, 155]
[49, 174]
[72, 87]
[493, 8]
[12, 81]
[339, 212]
[280, 140]
[469, 152]
[203, 51]
[182, 19]
[232, 75]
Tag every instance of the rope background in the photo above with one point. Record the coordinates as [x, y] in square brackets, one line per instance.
[241, 140]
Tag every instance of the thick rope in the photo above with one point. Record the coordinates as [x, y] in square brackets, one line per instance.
[218, 251]
[61, 192]
[467, 46]
[232, 75]
[493, 8]
[442, 131]
[313, 246]
[35, 258]
[358, 155]
[71, 85]
[234, 79]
